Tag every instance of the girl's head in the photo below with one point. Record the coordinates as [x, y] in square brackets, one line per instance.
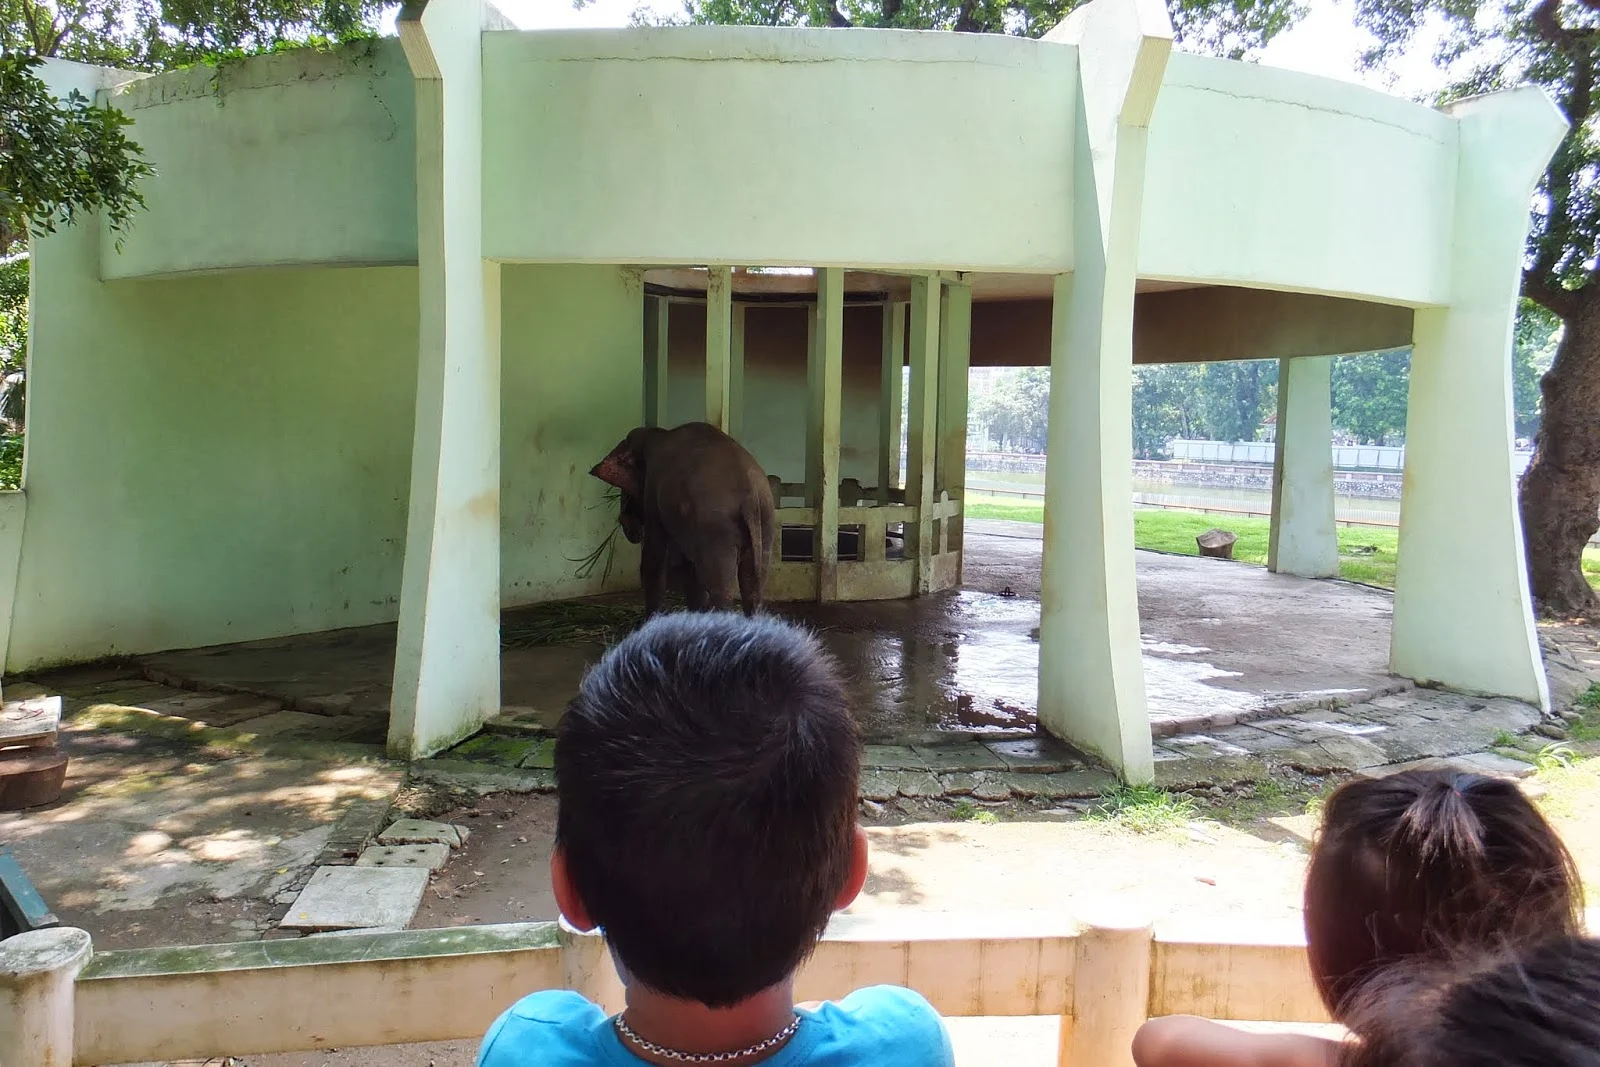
[1538, 1006]
[1429, 862]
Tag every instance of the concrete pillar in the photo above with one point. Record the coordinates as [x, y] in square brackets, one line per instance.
[719, 344]
[1462, 613]
[922, 433]
[813, 418]
[447, 655]
[1091, 676]
[826, 379]
[890, 397]
[37, 971]
[955, 360]
[1110, 989]
[1304, 539]
[655, 360]
[736, 375]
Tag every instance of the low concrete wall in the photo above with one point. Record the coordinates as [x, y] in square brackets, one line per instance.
[1104, 977]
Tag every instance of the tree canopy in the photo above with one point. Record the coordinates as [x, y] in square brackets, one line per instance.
[1015, 413]
[1370, 394]
[155, 35]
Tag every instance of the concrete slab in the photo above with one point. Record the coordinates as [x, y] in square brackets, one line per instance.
[1488, 763]
[1223, 642]
[283, 724]
[156, 844]
[428, 857]
[423, 832]
[31, 719]
[348, 898]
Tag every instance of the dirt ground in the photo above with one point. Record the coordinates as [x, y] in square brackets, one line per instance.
[1239, 857]
[1013, 864]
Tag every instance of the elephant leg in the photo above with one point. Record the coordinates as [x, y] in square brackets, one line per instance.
[694, 594]
[653, 574]
[716, 572]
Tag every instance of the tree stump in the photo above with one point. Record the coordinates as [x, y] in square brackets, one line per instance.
[1217, 544]
[31, 777]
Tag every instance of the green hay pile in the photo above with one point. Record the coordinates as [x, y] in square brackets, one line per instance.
[574, 622]
[569, 622]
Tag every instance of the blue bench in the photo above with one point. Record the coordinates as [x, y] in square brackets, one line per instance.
[21, 907]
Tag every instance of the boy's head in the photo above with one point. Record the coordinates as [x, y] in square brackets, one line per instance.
[707, 774]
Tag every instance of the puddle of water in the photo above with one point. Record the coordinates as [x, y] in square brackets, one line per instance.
[1176, 688]
[1211, 745]
[1170, 649]
[962, 662]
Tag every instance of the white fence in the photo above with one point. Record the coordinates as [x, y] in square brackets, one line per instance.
[1345, 457]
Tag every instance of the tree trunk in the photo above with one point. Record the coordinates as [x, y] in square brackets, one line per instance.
[1561, 488]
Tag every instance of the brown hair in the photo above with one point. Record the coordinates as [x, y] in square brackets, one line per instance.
[1427, 862]
[1538, 1006]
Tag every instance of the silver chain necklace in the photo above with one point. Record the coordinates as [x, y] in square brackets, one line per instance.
[705, 1057]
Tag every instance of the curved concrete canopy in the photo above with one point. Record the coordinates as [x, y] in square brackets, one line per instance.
[865, 149]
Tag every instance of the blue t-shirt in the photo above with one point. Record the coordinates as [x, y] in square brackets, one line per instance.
[881, 1026]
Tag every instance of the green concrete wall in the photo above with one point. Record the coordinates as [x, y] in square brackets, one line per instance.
[796, 146]
[227, 457]
[297, 158]
[774, 428]
[572, 385]
[211, 459]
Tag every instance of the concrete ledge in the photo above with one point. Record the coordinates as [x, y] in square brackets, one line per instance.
[1295, 706]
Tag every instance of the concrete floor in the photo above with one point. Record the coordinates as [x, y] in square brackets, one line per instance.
[154, 843]
[1218, 637]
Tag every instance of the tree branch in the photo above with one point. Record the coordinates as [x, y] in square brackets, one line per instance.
[1546, 19]
[1538, 286]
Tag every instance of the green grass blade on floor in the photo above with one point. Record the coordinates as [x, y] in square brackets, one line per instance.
[566, 622]
[1145, 809]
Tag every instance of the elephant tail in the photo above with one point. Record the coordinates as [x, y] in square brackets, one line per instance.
[757, 524]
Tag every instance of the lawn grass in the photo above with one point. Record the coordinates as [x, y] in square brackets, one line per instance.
[1366, 553]
[982, 508]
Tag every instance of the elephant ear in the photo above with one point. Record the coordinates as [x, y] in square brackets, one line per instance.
[622, 469]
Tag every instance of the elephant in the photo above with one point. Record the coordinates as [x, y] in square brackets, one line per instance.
[700, 508]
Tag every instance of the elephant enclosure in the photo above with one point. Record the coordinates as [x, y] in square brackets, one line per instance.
[1221, 642]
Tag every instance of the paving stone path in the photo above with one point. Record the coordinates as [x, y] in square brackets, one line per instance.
[1403, 728]
[1405, 725]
